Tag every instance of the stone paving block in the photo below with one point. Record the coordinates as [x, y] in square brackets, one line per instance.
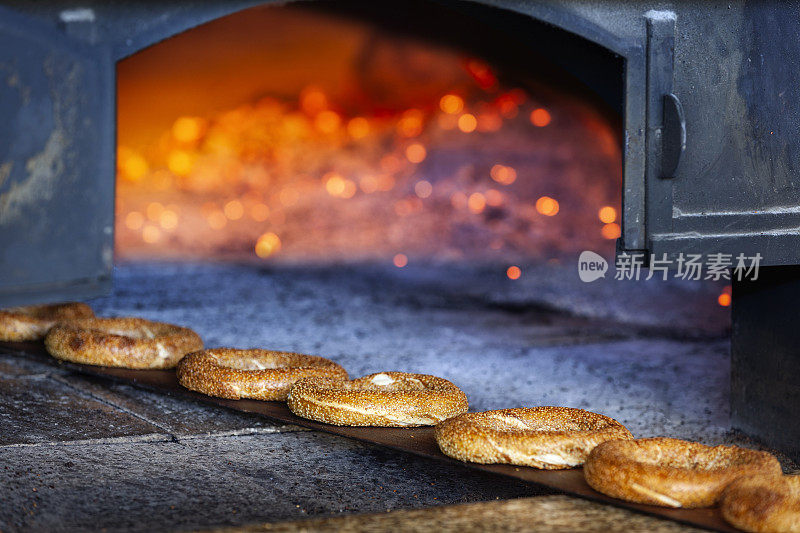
[36, 410]
[176, 415]
[218, 481]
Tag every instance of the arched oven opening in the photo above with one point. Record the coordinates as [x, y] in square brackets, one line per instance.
[351, 132]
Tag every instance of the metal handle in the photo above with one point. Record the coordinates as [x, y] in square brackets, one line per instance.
[673, 138]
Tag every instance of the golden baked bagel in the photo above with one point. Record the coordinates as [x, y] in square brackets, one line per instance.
[542, 437]
[763, 504]
[671, 472]
[390, 399]
[256, 374]
[121, 342]
[32, 322]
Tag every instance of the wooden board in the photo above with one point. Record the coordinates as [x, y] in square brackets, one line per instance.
[419, 441]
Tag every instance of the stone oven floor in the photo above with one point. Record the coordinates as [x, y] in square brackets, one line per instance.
[83, 453]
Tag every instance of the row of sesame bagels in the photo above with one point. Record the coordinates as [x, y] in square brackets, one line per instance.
[319, 389]
[748, 484]
[72, 332]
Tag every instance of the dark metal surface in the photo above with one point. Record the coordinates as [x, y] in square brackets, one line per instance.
[765, 366]
[56, 163]
[660, 65]
[737, 188]
[419, 441]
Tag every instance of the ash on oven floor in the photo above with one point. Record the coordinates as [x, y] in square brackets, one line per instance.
[81, 453]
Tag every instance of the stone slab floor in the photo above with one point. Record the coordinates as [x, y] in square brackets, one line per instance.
[82, 453]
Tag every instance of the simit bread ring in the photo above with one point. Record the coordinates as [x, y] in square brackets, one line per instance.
[390, 399]
[121, 342]
[541, 437]
[671, 472]
[763, 504]
[257, 374]
[32, 322]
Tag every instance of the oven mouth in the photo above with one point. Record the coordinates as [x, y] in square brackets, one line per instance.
[404, 145]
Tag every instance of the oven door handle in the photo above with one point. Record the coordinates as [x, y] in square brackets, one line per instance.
[673, 139]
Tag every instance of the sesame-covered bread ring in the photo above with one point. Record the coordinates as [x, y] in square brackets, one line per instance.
[763, 504]
[671, 472]
[32, 322]
[121, 342]
[256, 374]
[542, 437]
[389, 399]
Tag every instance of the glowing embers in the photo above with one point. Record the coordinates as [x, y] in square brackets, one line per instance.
[611, 231]
[451, 104]
[540, 117]
[503, 174]
[267, 244]
[233, 210]
[467, 123]
[328, 122]
[411, 123]
[468, 172]
[188, 129]
[608, 216]
[338, 186]
[725, 297]
[358, 127]
[423, 188]
[547, 206]
[156, 217]
[180, 162]
[416, 153]
[131, 166]
[481, 73]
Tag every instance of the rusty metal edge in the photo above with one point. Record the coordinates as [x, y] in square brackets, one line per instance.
[418, 441]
